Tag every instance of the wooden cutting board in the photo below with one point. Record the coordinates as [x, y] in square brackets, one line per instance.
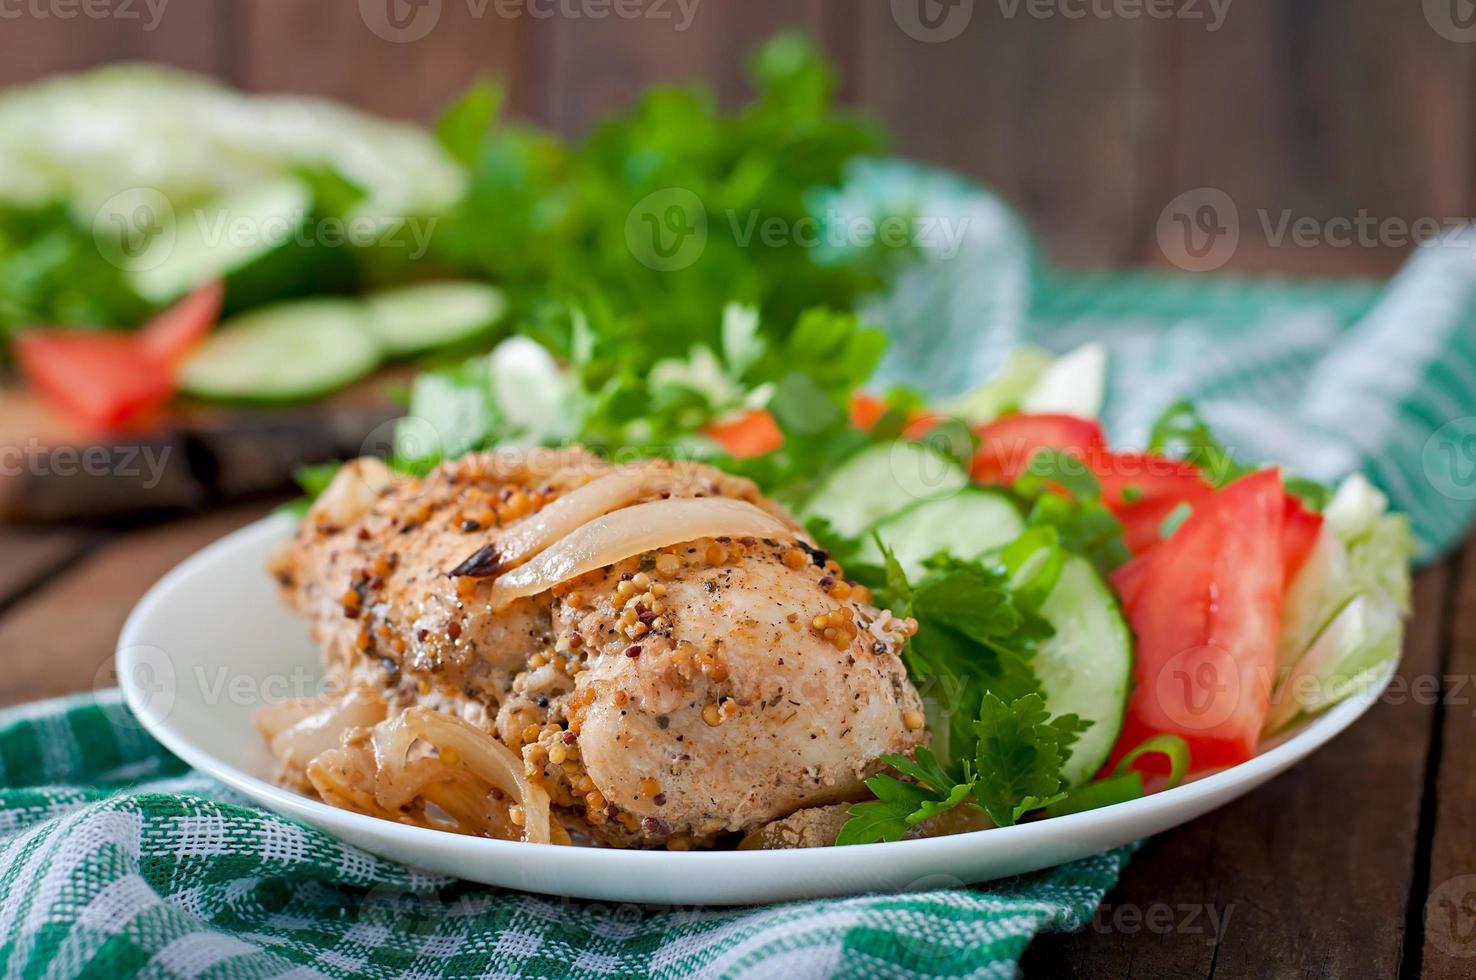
[196, 455]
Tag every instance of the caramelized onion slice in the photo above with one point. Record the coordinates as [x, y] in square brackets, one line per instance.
[603, 495]
[317, 732]
[632, 531]
[538, 530]
[486, 757]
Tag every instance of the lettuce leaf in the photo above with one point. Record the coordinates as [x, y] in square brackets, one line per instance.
[1342, 619]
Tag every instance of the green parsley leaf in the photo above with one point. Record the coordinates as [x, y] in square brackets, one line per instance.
[1020, 751]
[900, 805]
[1181, 433]
[1086, 527]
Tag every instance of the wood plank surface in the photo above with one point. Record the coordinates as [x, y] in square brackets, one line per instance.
[28, 556]
[52, 38]
[1063, 116]
[61, 638]
[593, 67]
[1320, 111]
[353, 52]
[1308, 876]
[1445, 902]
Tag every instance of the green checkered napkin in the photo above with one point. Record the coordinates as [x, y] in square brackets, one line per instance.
[116, 861]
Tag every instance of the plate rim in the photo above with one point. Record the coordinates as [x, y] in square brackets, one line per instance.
[1090, 824]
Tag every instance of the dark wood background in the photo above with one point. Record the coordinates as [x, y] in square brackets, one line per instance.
[1323, 108]
[1091, 125]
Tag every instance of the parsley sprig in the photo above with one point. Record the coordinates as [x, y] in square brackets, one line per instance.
[995, 747]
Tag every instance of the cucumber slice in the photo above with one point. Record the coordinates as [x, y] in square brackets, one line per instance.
[880, 481]
[417, 318]
[288, 352]
[965, 525]
[260, 240]
[1086, 668]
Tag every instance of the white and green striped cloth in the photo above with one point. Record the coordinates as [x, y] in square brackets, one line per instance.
[115, 861]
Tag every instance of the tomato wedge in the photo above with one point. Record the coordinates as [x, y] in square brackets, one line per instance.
[1142, 490]
[103, 379]
[174, 332]
[1207, 611]
[1128, 580]
[749, 433]
[1007, 445]
[1299, 533]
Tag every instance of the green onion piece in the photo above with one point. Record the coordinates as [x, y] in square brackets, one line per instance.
[1172, 746]
[1090, 796]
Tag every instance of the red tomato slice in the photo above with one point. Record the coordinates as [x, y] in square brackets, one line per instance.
[1128, 580]
[1207, 612]
[1158, 486]
[1299, 534]
[103, 379]
[173, 333]
[1142, 522]
[866, 410]
[750, 433]
[920, 424]
[1151, 477]
[1007, 445]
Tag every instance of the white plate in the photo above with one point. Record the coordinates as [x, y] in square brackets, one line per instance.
[211, 642]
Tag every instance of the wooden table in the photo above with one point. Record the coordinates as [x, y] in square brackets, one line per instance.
[1329, 871]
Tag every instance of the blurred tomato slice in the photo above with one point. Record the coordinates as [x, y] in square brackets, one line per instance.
[173, 333]
[1299, 534]
[103, 379]
[1128, 580]
[1129, 478]
[1206, 610]
[748, 433]
[1007, 445]
[866, 410]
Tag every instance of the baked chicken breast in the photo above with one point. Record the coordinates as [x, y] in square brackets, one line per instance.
[667, 696]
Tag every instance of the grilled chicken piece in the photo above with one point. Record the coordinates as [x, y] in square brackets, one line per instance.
[673, 697]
